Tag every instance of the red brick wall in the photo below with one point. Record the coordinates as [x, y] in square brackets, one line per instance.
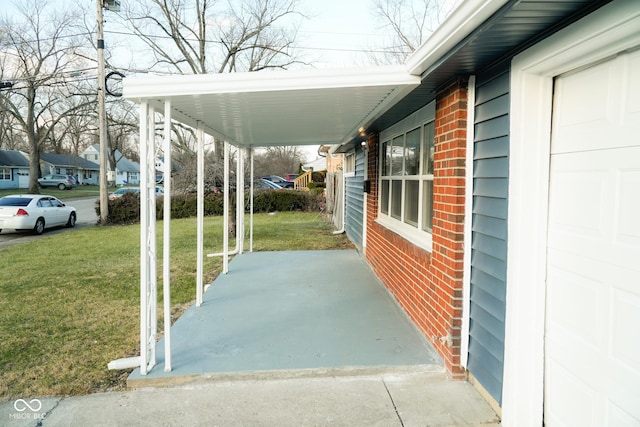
[428, 285]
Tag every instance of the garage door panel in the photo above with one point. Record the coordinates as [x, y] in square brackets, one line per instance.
[600, 106]
[627, 224]
[583, 321]
[633, 91]
[569, 402]
[596, 203]
[592, 325]
[626, 318]
[620, 418]
[585, 190]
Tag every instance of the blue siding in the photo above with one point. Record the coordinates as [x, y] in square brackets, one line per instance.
[489, 232]
[355, 201]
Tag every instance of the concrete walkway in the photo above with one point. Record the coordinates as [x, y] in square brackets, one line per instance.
[402, 398]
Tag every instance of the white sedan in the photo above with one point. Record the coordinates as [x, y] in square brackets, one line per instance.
[34, 212]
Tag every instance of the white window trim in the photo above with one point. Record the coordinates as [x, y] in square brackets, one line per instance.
[350, 157]
[604, 33]
[3, 169]
[415, 235]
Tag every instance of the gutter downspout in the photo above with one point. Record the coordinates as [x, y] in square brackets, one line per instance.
[343, 205]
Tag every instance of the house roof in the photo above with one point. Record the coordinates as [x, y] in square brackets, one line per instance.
[13, 158]
[126, 165]
[66, 160]
[330, 106]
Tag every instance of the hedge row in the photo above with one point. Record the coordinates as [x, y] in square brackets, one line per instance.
[126, 209]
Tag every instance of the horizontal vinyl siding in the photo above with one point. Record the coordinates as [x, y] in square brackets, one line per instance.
[355, 202]
[489, 232]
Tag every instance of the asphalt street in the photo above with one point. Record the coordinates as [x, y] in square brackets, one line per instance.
[86, 214]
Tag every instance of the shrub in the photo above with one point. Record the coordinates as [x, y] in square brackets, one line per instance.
[123, 210]
[126, 209]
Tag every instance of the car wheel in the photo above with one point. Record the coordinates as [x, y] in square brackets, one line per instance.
[39, 228]
[72, 220]
[62, 186]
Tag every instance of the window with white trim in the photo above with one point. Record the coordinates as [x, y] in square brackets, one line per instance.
[406, 181]
[5, 174]
[350, 163]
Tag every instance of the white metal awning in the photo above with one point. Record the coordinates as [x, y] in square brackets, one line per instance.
[310, 107]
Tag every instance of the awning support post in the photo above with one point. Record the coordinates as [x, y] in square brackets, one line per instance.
[225, 233]
[251, 201]
[148, 280]
[200, 217]
[166, 246]
[240, 201]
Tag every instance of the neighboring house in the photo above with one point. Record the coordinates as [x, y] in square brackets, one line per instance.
[126, 171]
[14, 169]
[492, 184]
[86, 172]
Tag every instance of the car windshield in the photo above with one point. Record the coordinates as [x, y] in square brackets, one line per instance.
[15, 201]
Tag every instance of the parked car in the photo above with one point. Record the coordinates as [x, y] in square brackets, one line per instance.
[63, 182]
[279, 180]
[265, 184]
[290, 176]
[122, 191]
[34, 212]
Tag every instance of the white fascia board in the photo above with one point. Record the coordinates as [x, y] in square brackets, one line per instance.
[462, 22]
[203, 84]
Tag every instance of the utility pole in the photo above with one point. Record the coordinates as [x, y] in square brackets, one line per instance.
[102, 118]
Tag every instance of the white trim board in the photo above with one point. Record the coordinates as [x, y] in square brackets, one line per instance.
[611, 29]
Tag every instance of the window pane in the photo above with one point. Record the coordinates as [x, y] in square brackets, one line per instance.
[386, 161]
[384, 197]
[427, 205]
[396, 199]
[397, 156]
[427, 161]
[411, 199]
[412, 153]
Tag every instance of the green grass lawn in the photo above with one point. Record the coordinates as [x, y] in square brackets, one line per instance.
[79, 191]
[69, 303]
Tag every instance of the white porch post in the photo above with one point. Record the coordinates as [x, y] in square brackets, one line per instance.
[166, 246]
[251, 201]
[240, 201]
[200, 220]
[225, 232]
[144, 286]
[148, 280]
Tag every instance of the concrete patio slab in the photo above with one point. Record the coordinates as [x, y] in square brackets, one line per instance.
[279, 312]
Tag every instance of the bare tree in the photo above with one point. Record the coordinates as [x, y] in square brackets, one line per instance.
[123, 126]
[410, 23]
[278, 161]
[197, 37]
[39, 46]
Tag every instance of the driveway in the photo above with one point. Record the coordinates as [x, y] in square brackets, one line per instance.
[85, 209]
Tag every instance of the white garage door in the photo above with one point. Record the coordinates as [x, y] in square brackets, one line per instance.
[592, 336]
